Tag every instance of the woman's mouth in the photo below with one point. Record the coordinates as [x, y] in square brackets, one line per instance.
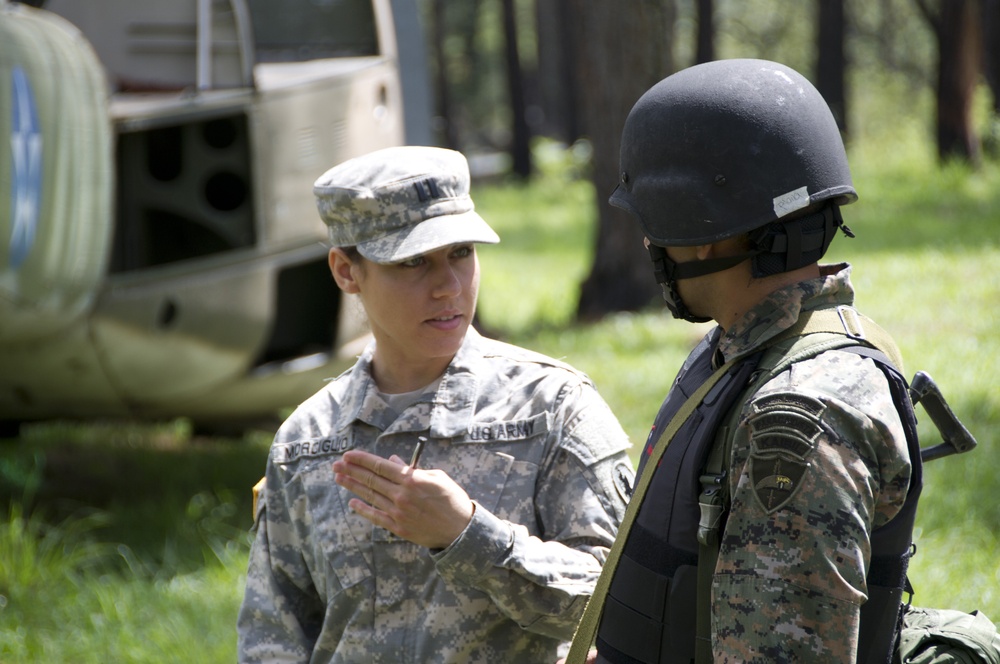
[446, 321]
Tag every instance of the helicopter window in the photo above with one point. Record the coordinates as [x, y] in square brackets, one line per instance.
[298, 30]
[183, 193]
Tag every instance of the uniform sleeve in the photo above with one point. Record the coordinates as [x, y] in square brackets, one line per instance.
[819, 461]
[281, 615]
[542, 581]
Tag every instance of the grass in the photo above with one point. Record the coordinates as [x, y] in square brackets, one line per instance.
[128, 543]
[123, 542]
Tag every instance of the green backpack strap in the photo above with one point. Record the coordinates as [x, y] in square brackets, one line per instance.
[849, 322]
[815, 332]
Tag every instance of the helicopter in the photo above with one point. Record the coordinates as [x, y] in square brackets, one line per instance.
[160, 251]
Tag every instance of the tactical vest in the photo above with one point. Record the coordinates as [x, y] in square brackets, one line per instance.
[649, 615]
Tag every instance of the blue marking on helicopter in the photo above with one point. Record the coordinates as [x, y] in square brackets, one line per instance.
[26, 180]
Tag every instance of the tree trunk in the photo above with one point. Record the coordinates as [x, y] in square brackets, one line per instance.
[622, 54]
[830, 62]
[956, 26]
[959, 69]
[991, 49]
[556, 83]
[705, 50]
[442, 92]
[520, 147]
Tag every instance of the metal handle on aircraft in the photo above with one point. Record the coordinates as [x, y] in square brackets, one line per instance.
[957, 439]
[204, 57]
[244, 32]
[248, 55]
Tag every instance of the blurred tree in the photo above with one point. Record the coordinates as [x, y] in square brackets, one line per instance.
[991, 49]
[466, 40]
[447, 131]
[705, 39]
[753, 29]
[955, 24]
[520, 144]
[620, 55]
[830, 62]
[556, 83]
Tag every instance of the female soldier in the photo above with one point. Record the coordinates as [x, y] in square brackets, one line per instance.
[487, 548]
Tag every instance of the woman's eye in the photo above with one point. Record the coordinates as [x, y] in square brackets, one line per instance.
[462, 252]
[416, 261]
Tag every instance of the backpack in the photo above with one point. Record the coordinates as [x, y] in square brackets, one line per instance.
[943, 636]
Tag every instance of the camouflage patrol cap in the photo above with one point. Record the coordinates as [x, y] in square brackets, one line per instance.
[400, 202]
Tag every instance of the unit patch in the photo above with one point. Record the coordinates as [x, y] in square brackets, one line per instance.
[783, 431]
[776, 480]
[624, 480]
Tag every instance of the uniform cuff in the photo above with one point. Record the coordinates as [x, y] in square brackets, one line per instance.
[481, 546]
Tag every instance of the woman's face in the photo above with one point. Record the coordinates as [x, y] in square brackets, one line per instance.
[419, 310]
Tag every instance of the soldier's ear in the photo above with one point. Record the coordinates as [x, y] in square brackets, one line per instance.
[341, 268]
[705, 251]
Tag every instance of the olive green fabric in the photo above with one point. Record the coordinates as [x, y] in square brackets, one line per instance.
[945, 636]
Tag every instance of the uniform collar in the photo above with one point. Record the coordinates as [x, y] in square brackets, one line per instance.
[446, 411]
[781, 309]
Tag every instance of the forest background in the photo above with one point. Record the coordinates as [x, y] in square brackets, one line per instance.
[128, 542]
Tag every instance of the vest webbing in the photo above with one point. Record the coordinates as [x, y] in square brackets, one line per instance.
[840, 320]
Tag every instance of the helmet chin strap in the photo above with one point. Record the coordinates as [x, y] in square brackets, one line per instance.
[669, 272]
[777, 247]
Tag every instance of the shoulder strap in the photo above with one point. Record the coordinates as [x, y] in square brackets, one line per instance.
[847, 321]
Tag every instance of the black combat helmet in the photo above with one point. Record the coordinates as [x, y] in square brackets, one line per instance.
[726, 147]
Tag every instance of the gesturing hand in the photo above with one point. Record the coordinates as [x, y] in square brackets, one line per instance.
[425, 507]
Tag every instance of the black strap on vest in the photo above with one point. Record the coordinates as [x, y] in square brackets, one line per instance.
[882, 614]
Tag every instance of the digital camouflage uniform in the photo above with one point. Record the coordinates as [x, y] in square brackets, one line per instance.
[535, 447]
[791, 572]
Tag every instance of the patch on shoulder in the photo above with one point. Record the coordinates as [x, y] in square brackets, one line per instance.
[776, 480]
[624, 479]
[783, 431]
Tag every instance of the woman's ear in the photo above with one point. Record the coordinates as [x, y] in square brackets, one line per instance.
[340, 268]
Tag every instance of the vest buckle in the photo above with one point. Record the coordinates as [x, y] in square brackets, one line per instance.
[710, 504]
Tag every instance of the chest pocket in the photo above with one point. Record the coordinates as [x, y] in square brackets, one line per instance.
[334, 534]
[498, 464]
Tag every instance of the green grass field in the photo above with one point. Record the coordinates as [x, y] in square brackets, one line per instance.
[128, 543]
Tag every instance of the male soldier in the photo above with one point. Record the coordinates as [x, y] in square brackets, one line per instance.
[770, 505]
[486, 544]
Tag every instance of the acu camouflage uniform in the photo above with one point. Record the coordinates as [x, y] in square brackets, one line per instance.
[806, 494]
[535, 447]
